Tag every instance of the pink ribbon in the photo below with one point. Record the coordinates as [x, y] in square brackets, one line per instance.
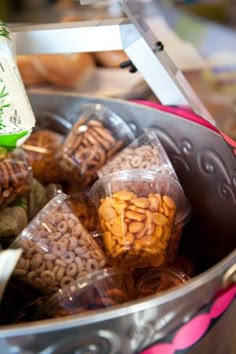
[186, 113]
[194, 330]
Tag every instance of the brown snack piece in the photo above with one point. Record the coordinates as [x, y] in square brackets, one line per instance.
[37, 198]
[85, 210]
[14, 180]
[12, 221]
[57, 248]
[185, 264]
[41, 148]
[31, 76]
[66, 71]
[70, 18]
[69, 71]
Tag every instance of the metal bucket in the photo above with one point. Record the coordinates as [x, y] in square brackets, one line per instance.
[207, 170]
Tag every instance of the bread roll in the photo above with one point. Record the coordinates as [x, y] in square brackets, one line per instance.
[31, 76]
[69, 71]
[71, 18]
[62, 70]
[111, 59]
[64, 5]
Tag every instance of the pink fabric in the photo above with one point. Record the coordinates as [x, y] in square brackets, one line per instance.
[222, 303]
[194, 330]
[165, 348]
[182, 112]
[186, 113]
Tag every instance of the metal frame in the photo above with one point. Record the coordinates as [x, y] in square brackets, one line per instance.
[158, 70]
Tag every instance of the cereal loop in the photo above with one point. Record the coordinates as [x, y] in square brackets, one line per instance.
[48, 276]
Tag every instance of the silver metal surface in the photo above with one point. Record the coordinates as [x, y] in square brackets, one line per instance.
[86, 36]
[229, 277]
[206, 168]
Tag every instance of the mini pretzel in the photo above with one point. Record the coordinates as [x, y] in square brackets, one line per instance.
[12, 175]
[4, 175]
[103, 142]
[105, 134]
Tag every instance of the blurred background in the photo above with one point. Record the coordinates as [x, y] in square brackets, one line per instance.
[223, 11]
[200, 37]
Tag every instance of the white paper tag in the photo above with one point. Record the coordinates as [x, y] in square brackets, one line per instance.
[15, 110]
[8, 261]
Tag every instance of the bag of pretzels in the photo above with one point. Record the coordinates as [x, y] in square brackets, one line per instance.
[15, 178]
[97, 135]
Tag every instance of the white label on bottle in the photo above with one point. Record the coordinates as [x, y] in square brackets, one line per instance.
[16, 114]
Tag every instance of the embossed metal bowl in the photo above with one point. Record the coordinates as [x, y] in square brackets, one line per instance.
[206, 168]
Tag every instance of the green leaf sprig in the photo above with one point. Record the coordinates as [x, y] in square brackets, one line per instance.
[3, 105]
[4, 31]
